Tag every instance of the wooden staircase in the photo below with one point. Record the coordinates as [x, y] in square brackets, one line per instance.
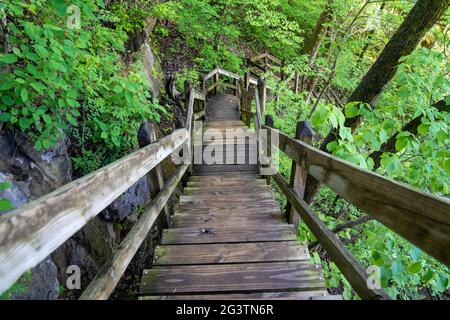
[228, 238]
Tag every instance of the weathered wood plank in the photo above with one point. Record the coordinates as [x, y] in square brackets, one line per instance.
[222, 209]
[263, 189]
[230, 253]
[234, 278]
[199, 169]
[225, 184]
[419, 217]
[32, 232]
[229, 221]
[109, 275]
[230, 198]
[292, 295]
[346, 262]
[268, 233]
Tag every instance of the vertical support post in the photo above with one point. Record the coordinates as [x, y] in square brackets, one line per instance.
[236, 91]
[298, 173]
[262, 92]
[247, 100]
[241, 97]
[155, 179]
[187, 95]
[216, 80]
[268, 121]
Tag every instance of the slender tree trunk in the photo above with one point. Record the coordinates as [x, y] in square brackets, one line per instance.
[418, 22]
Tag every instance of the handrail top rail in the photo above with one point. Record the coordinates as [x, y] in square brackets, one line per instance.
[227, 73]
[420, 217]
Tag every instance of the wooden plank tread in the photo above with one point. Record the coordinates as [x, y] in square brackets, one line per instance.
[267, 233]
[230, 253]
[232, 278]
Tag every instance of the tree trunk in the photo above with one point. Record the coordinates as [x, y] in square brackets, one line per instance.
[418, 22]
[312, 44]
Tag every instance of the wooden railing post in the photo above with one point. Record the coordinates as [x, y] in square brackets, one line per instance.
[187, 97]
[155, 179]
[247, 100]
[268, 121]
[216, 79]
[262, 90]
[298, 174]
[241, 97]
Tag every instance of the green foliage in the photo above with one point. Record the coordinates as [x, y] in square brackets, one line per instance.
[20, 287]
[5, 204]
[187, 74]
[63, 79]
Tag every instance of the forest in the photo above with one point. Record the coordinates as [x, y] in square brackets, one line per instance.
[371, 76]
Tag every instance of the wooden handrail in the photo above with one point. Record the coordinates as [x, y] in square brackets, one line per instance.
[29, 234]
[109, 275]
[419, 217]
[345, 261]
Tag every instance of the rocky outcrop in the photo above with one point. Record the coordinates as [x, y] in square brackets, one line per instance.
[136, 196]
[34, 173]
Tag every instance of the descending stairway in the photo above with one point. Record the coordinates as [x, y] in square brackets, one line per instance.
[229, 239]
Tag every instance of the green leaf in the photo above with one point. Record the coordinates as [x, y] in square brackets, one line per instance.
[332, 146]
[397, 268]
[415, 267]
[442, 282]
[428, 276]
[401, 143]
[104, 135]
[351, 110]
[422, 129]
[39, 87]
[7, 100]
[47, 118]
[5, 117]
[8, 58]
[447, 165]
[5, 185]
[24, 123]
[71, 119]
[415, 253]
[5, 205]
[24, 94]
[41, 51]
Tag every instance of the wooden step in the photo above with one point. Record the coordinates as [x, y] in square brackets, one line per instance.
[196, 235]
[226, 208]
[290, 295]
[263, 188]
[262, 198]
[232, 278]
[234, 168]
[230, 253]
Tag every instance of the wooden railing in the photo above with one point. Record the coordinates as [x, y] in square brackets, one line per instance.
[31, 233]
[419, 217]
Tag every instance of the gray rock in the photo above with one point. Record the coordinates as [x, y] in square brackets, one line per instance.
[35, 173]
[135, 197]
[13, 194]
[44, 283]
